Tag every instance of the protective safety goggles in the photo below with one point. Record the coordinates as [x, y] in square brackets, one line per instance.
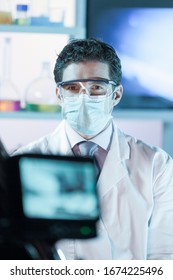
[94, 88]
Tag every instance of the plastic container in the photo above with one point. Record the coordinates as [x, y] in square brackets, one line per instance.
[40, 95]
[22, 17]
[39, 12]
[9, 94]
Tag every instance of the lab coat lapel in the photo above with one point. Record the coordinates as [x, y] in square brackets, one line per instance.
[114, 168]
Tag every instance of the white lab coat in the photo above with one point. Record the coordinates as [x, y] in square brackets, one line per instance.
[136, 198]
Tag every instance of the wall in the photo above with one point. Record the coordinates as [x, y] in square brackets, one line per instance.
[17, 132]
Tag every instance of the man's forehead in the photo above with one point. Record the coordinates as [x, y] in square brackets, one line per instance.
[86, 70]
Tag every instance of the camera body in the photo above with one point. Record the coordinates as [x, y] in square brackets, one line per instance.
[47, 198]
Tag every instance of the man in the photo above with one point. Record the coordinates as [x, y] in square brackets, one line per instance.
[135, 184]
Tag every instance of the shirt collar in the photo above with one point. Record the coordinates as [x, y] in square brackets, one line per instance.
[102, 139]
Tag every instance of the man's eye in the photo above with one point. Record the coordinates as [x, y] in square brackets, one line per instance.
[97, 87]
[71, 87]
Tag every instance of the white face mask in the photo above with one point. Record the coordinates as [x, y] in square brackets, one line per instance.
[87, 115]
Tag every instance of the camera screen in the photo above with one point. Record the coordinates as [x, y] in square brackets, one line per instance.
[58, 189]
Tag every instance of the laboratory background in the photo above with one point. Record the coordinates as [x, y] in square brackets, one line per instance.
[33, 32]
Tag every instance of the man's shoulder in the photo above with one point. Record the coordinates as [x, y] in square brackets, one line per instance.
[43, 144]
[141, 147]
[37, 146]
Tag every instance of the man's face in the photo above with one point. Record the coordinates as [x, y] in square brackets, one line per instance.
[88, 116]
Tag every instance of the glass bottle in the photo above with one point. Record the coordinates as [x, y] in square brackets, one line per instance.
[56, 12]
[40, 95]
[5, 12]
[9, 94]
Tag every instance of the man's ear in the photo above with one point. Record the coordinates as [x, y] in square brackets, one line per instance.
[118, 94]
[58, 96]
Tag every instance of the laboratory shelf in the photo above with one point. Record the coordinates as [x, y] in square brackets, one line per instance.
[29, 115]
[163, 115]
[160, 114]
[55, 29]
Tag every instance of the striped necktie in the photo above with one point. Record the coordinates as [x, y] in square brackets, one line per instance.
[90, 149]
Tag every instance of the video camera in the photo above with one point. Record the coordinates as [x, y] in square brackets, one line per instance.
[45, 198]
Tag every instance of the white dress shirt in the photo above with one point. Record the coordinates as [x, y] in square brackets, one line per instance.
[102, 139]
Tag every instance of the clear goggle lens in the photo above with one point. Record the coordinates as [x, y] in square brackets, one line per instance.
[94, 88]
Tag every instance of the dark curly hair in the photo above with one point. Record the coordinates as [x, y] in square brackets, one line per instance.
[80, 50]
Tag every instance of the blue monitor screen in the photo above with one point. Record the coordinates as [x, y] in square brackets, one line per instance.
[58, 189]
[142, 37]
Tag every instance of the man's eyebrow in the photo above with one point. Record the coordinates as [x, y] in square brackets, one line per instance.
[85, 80]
